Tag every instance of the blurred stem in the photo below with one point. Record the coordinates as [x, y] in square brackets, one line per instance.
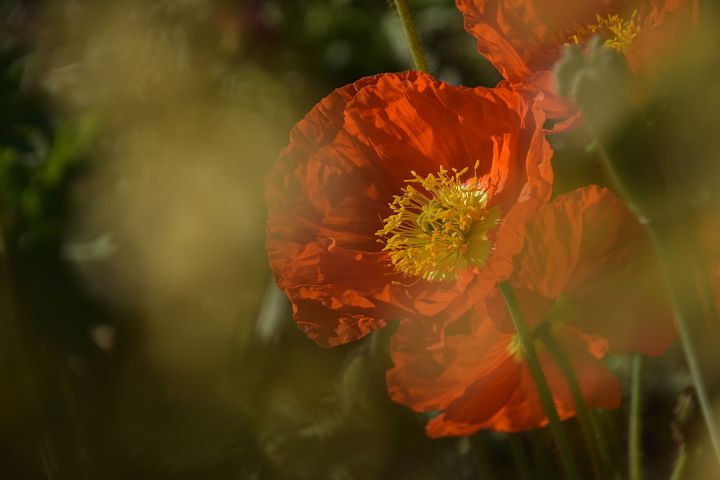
[411, 35]
[593, 436]
[17, 350]
[520, 457]
[527, 343]
[540, 444]
[607, 422]
[379, 351]
[687, 282]
[635, 459]
[482, 462]
[274, 314]
[637, 163]
[678, 471]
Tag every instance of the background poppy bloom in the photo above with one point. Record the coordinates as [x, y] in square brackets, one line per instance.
[582, 277]
[523, 39]
[395, 193]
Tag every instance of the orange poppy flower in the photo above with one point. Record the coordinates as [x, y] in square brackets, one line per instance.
[584, 276]
[523, 39]
[395, 194]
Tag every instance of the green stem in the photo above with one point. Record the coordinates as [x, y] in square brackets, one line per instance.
[520, 457]
[527, 344]
[635, 459]
[643, 173]
[607, 423]
[593, 436]
[540, 444]
[411, 34]
[18, 350]
[482, 462]
[687, 282]
[678, 471]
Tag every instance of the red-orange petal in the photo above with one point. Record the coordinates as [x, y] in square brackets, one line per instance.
[330, 189]
[587, 246]
[524, 39]
[475, 382]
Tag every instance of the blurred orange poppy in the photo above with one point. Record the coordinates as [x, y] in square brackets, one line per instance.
[585, 277]
[523, 38]
[395, 194]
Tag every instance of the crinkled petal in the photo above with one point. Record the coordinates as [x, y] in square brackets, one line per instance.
[476, 382]
[588, 247]
[524, 37]
[432, 368]
[330, 190]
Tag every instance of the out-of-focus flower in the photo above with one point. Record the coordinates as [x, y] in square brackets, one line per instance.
[396, 194]
[524, 39]
[584, 277]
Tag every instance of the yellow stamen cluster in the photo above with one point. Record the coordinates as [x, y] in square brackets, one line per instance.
[439, 228]
[618, 32]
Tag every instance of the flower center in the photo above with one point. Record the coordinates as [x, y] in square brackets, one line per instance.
[439, 228]
[617, 31]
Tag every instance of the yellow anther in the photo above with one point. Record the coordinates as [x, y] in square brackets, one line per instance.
[618, 32]
[440, 228]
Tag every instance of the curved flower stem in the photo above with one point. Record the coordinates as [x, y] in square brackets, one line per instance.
[687, 283]
[411, 34]
[642, 170]
[527, 344]
[593, 436]
[678, 471]
[635, 444]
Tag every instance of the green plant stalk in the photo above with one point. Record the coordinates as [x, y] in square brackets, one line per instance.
[635, 457]
[678, 471]
[411, 35]
[527, 344]
[482, 462]
[688, 286]
[606, 422]
[634, 159]
[520, 457]
[599, 457]
[16, 347]
[641, 169]
[542, 465]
